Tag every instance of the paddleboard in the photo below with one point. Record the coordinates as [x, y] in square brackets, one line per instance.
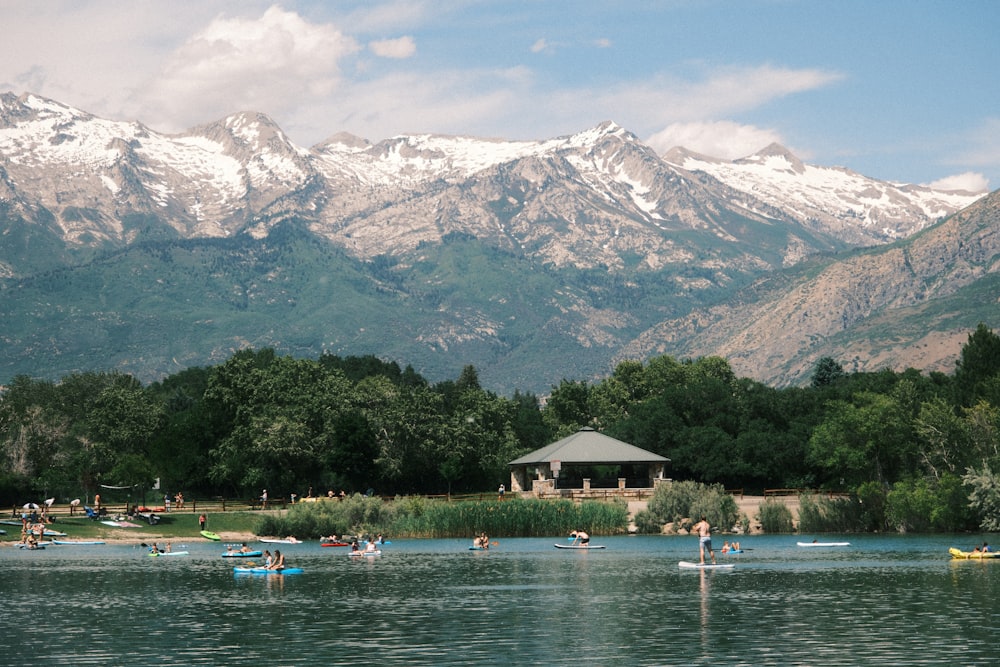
[264, 570]
[365, 553]
[824, 544]
[77, 542]
[242, 554]
[579, 546]
[271, 540]
[154, 554]
[210, 535]
[22, 545]
[335, 544]
[705, 566]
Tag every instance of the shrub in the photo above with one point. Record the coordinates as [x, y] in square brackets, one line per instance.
[417, 517]
[831, 515]
[775, 517]
[689, 500]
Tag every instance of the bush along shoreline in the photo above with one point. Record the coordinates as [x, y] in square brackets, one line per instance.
[418, 517]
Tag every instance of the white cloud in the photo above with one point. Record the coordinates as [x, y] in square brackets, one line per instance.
[723, 92]
[969, 181]
[400, 48]
[273, 64]
[720, 139]
[539, 46]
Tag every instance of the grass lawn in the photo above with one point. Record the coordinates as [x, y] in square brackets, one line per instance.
[171, 526]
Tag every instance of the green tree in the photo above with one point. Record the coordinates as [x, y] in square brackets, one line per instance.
[826, 372]
[978, 362]
[864, 441]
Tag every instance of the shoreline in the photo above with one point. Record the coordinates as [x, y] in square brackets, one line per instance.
[747, 505]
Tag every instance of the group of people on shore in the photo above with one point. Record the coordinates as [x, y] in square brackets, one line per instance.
[33, 528]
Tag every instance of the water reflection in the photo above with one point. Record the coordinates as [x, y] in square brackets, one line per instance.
[890, 600]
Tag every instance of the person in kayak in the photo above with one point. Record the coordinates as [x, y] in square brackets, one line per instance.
[704, 530]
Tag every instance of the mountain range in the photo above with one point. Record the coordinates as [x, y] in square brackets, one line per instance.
[535, 261]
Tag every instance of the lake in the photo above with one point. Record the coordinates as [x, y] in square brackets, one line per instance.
[883, 600]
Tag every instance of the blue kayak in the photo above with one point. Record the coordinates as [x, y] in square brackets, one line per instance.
[264, 570]
[242, 554]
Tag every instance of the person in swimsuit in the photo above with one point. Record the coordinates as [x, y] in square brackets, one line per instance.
[580, 537]
[704, 538]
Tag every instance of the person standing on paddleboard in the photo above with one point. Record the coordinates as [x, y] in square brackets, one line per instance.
[704, 538]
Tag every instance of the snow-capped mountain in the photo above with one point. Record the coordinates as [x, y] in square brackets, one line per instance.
[611, 193]
[533, 260]
[834, 200]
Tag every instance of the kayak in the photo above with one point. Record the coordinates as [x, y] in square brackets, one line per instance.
[154, 554]
[210, 535]
[705, 566]
[77, 542]
[958, 553]
[264, 570]
[22, 545]
[579, 546]
[824, 544]
[242, 554]
[335, 544]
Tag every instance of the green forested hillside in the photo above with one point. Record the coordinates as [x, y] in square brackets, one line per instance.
[162, 305]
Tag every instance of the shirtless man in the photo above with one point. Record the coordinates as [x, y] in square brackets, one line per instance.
[704, 538]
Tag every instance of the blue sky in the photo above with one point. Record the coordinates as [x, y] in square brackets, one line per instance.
[900, 90]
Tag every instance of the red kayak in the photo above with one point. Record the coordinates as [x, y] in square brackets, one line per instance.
[335, 544]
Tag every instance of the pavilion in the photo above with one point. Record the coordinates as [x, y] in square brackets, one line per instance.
[567, 466]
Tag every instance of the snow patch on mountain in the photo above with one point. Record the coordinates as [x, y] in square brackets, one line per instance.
[829, 197]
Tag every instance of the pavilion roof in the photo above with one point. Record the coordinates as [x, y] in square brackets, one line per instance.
[587, 446]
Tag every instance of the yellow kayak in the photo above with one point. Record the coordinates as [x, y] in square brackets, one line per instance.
[958, 553]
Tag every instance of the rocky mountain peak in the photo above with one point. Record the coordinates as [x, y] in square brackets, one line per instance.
[773, 155]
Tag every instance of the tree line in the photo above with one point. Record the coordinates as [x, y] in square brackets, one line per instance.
[922, 451]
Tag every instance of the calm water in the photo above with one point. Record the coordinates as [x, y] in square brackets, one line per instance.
[882, 601]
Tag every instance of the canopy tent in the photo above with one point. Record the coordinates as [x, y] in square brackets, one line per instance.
[539, 470]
